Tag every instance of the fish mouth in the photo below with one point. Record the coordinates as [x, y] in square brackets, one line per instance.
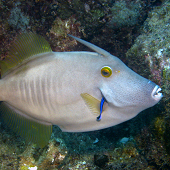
[156, 93]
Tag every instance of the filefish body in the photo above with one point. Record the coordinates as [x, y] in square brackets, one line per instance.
[40, 88]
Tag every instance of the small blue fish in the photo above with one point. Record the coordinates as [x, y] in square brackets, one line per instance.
[101, 109]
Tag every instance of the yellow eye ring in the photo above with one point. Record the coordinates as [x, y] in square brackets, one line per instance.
[106, 71]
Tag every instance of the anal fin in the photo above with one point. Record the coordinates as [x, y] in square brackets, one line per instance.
[33, 130]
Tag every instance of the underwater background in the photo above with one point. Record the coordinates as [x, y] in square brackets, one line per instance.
[137, 32]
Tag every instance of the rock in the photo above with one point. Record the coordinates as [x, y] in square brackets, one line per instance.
[100, 160]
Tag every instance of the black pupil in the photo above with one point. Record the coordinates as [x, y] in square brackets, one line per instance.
[105, 73]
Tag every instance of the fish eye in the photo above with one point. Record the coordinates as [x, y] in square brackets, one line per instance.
[106, 71]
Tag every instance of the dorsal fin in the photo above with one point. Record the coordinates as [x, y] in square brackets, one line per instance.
[91, 46]
[26, 45]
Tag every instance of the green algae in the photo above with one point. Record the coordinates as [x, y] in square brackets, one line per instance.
[167, 135]
[124, 14]
[166, 87]
[166, 82]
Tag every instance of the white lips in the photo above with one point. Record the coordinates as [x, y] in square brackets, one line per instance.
[156, 93]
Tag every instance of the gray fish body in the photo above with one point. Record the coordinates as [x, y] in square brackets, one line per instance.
[47, 88]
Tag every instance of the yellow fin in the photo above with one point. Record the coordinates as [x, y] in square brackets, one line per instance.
[26, 45]
[92, 103]
[30, 129]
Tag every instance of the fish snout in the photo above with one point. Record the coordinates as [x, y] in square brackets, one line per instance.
[156, 93]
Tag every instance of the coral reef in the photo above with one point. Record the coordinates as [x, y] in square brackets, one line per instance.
[17, 19]
[152, 46]
[124, 14]
[91, 14]
[17, 155]
[153, 150]
[58, 33]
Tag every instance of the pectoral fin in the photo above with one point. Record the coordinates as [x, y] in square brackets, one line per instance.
[29, 128]
[92, 103]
